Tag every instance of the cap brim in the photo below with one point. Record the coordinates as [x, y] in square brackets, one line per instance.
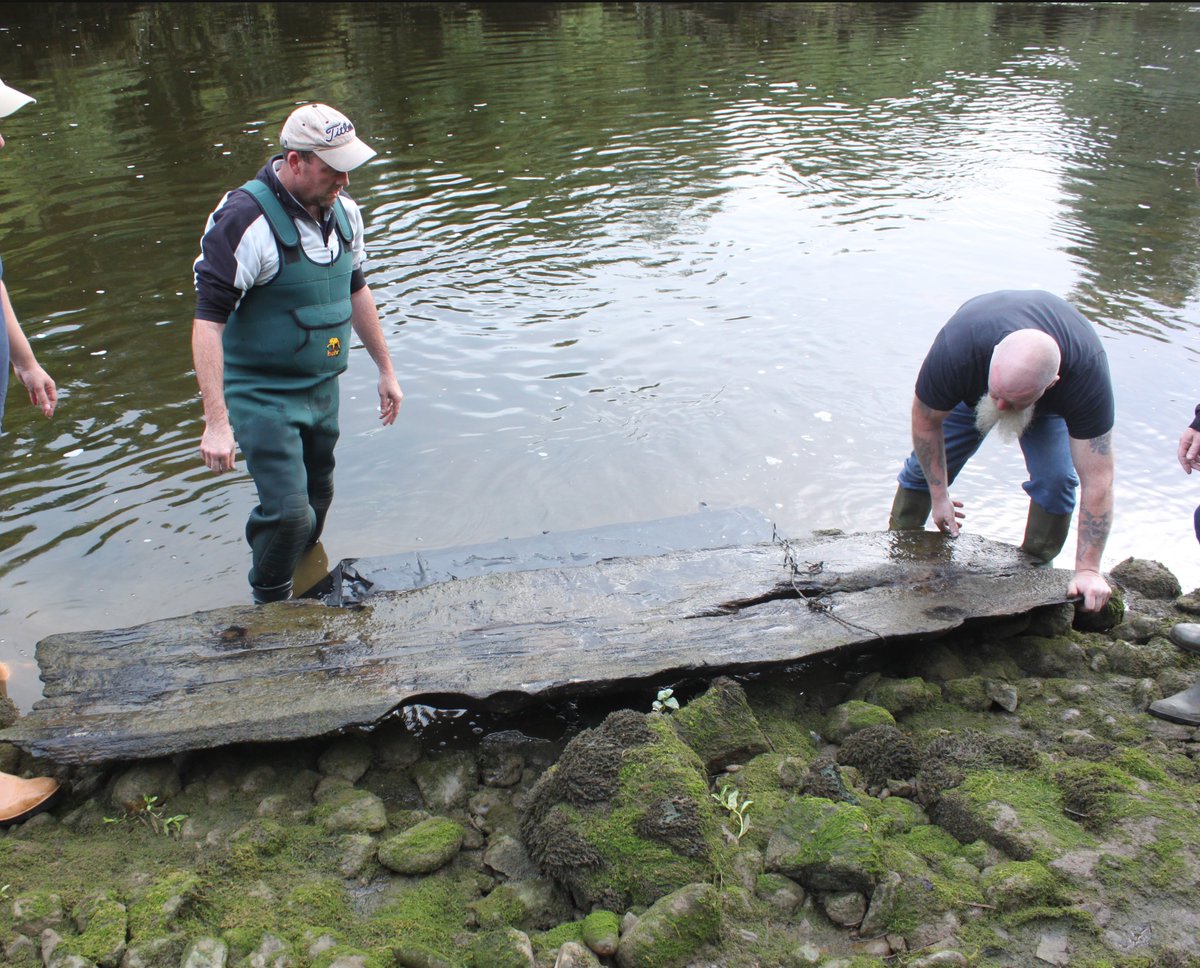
[346, 157]
[12, 100]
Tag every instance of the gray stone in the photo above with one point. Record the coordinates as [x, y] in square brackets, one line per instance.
[844, 907]
[358, 850]
[158, 779]
[883, 903]
[354, 811]
[447, 783]
[574, 955]
[506, 855]
[34, 913]
[1150, 579]
[348, 757]
[205, 953]
[270, 953]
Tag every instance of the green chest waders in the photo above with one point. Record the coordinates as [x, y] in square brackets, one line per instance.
[284, 347]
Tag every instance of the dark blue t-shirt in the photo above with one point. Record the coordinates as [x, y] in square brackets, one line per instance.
[956, 367]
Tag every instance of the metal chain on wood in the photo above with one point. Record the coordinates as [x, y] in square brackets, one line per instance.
[817, 602]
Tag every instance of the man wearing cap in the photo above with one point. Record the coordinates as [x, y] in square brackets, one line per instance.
[15, 350]
[1032, 365]
[279, 287]
[20, 797]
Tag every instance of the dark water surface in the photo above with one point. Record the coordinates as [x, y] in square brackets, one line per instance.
[630, 258]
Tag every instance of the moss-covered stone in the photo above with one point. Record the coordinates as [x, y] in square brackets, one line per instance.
[602, 932]
[849, 717]
[897, 696]
[969, 692]
[720, 726]
[422, 848]
[102, 940]
[825, 846]
[880, 753]
[673, 929]
[170, 897]
[625, 816]
[501, 948]
[1022, 884]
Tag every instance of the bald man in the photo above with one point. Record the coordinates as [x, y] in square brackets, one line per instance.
[1028, 364]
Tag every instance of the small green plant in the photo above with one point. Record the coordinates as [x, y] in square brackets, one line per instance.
[729, 798]
[150, 814]
[4, 891]
[665, 702]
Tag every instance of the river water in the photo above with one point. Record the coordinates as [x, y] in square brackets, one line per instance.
[631, 259]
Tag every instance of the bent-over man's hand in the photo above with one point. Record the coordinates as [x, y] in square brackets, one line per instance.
[1189, 450]
[390, 398]
[946, 514]
[1093, 589]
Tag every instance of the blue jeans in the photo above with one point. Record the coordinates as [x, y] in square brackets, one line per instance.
[1045, 444]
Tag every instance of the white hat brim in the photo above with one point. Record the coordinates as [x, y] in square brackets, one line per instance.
[346, 157]
[12, 100]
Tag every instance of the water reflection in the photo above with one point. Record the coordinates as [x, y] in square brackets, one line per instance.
[629, 257]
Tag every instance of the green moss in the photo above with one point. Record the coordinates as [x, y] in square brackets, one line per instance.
[107, 926]
[599, 927]
[151, 915]
[545, 942]
[501, 908]
[759, 781]
[1016, 885]
[425, 917]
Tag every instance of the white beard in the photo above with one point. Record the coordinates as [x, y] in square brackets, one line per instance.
[1010, 423]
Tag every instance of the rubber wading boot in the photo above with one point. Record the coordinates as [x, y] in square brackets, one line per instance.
[1183, 707]
[1045, 533]
[272, 593]
[1186, 635]
[910, 510]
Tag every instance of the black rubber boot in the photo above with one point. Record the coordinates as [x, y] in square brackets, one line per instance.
[1186, 635]
[1045, 533]
[910, 510]
[273, 593]
[1183, 707]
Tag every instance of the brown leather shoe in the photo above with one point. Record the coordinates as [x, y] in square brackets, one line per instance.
[20, 799]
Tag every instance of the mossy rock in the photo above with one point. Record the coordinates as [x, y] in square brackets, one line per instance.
[970, 693]
[880, 753]
[849, 717]
[720, 726]
[103, 939]
[670, 933]
[625, 816]
[1146, 659]
[155, 913]
[602, 932]
[501, 948]
[1150, 579]
[422, 848]
[826, 846]
[1022, 884]
[897, 696]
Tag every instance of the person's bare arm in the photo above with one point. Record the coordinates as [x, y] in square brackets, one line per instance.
[366, 325]
[37, 382]
[929, 444]
[217, 445]
[1093, 461]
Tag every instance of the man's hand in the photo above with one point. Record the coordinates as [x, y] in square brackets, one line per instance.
[217, 448]
[390, 398]
[42, 392]
[1189, 450]
[1092, 587]
[946, 515]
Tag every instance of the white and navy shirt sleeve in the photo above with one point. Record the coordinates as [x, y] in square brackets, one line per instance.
[238, 250]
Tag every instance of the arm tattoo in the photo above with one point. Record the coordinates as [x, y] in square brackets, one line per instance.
[1094, 528]
[927, 454]
[1101, 445]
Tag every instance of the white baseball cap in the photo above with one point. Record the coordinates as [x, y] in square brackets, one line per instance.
[329, 133]
[12, 100]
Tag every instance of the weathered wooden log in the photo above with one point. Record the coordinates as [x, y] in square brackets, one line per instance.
[300, 669]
